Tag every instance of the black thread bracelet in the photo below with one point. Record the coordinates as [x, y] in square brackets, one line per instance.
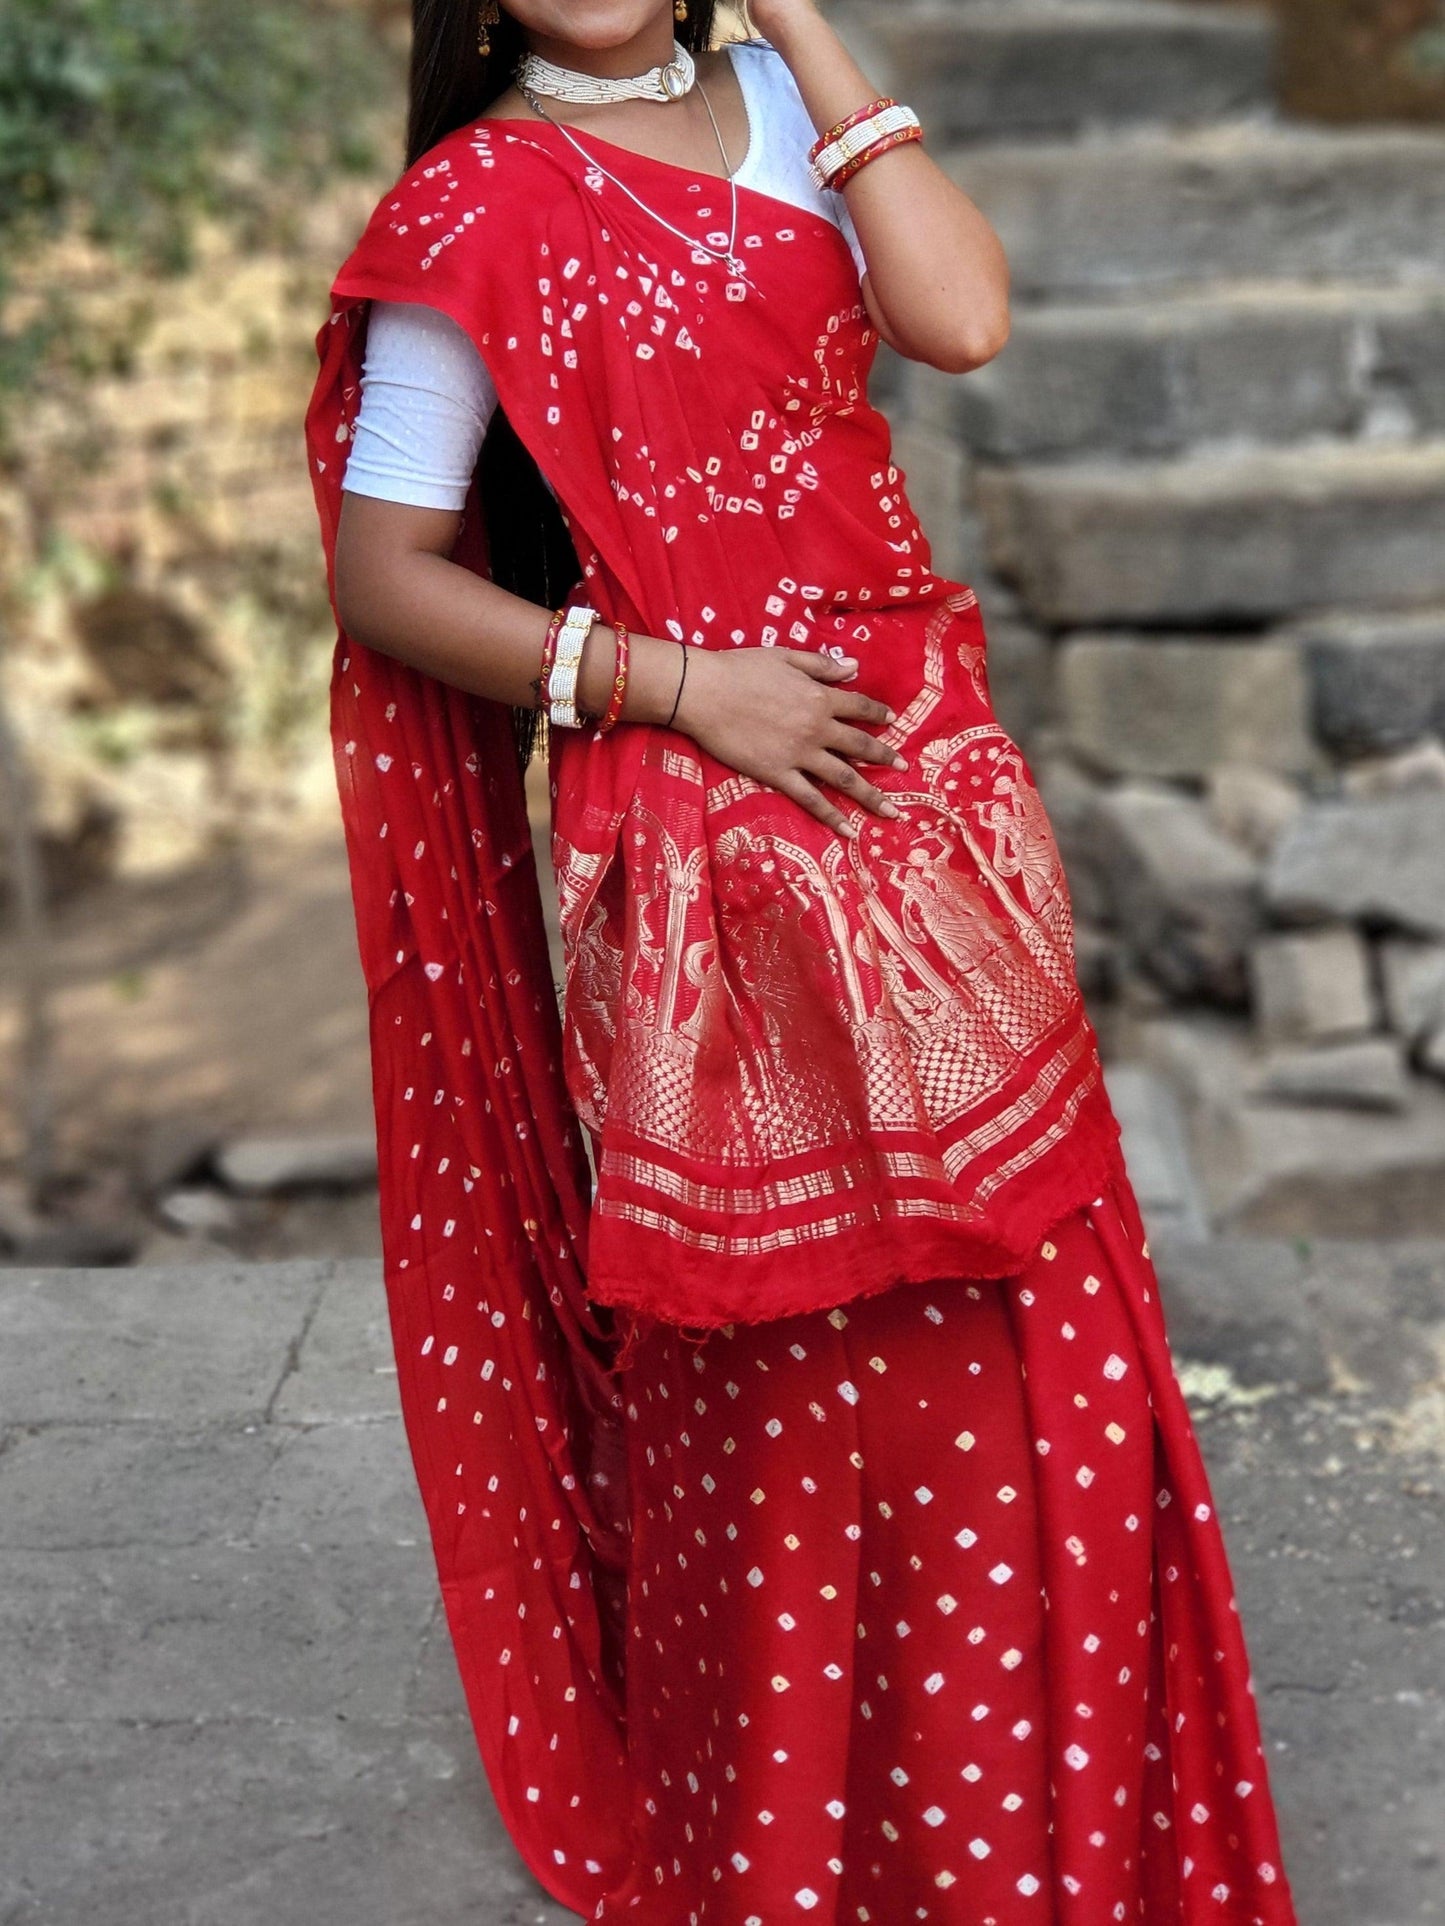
[680, 680]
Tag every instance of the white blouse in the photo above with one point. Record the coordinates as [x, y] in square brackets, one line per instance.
[427, 397]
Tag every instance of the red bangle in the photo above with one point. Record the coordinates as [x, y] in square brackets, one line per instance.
[613, 711]
[859, 161]
[549, 650]
[863, 113]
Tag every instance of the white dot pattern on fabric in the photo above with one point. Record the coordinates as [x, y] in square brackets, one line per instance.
[770, 1614]
[836, 1557]
[428, 395]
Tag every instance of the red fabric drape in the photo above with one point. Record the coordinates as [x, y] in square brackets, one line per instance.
[933, 1619]
[812, 1072]
[504, 1366]
[812, 1067]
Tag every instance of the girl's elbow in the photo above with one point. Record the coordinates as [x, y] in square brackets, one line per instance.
[973, 343]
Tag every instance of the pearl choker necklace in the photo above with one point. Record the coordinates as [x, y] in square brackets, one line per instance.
[668, 82]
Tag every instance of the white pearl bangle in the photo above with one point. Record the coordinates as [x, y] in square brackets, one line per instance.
[562, 682]
[852, 142]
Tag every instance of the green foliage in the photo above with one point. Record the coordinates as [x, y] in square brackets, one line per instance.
[126, 120]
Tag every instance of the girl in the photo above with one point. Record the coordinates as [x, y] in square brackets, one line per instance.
[820, 1526]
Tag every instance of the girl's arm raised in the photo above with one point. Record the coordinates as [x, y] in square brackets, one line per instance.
[937, 284]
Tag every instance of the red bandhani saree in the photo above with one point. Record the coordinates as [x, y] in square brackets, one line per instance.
[825, 1081]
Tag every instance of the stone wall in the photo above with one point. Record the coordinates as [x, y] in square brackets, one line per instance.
[1202, 495]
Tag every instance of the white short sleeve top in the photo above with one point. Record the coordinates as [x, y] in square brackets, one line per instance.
[427, 398]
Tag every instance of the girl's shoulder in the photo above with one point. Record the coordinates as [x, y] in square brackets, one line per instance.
[490, 178]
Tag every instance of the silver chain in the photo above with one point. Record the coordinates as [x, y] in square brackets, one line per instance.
[728, 254]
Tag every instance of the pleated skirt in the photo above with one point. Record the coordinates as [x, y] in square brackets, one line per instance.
[930, 1617]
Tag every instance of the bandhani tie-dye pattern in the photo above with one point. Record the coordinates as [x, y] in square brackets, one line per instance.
[838, 1089]
[932, 1619]
[811, 1066]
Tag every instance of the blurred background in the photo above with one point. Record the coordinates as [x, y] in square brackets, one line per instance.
[1202, 498]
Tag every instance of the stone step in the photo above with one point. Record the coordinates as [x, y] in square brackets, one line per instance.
[1238, 201]
[1254, 362]
[1156, 1151]
[1274, 1169]
[1221, 539]
[990, 70]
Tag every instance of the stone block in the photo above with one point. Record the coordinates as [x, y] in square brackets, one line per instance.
[342, 1484]
[68, 1487]
[345, 1367]
[1412, 976]
[1156, 1151]
[1182, 897]
[1311, 986]
[1432, 1054]
[1297, 1170]
[299, 1821]
[1021, 677]
[1418, 770]
[1235, 202]
[264, 1166]
[1409, 362]
[988, 69]
[211, 1631]
[1177, 707]
[1275, 364]
[1061, 391]
[212, 1343]
[1381, 860]
[1368, 1074]
[1251, 806]
[199, 1209]
[1220, 538]
[1377, 682]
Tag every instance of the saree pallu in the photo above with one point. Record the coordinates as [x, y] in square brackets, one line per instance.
[819, 1076]
[811, 1067]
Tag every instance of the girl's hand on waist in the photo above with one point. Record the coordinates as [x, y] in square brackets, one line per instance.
[779, 716]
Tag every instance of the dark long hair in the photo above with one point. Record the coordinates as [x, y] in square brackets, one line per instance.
[451, 85]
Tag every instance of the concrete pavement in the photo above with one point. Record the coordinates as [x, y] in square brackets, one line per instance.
[226, 1697]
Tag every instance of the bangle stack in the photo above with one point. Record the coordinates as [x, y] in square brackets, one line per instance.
[567, 635]
[835, 157]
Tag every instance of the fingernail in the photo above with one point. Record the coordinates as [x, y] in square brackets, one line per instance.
[890, 715]
[848, 829]
[899, 763]
[889, 809]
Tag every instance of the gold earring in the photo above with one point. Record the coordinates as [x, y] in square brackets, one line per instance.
[679, 9]
[487, 17]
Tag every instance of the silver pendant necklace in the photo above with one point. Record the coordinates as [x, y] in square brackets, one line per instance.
[729, 254]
